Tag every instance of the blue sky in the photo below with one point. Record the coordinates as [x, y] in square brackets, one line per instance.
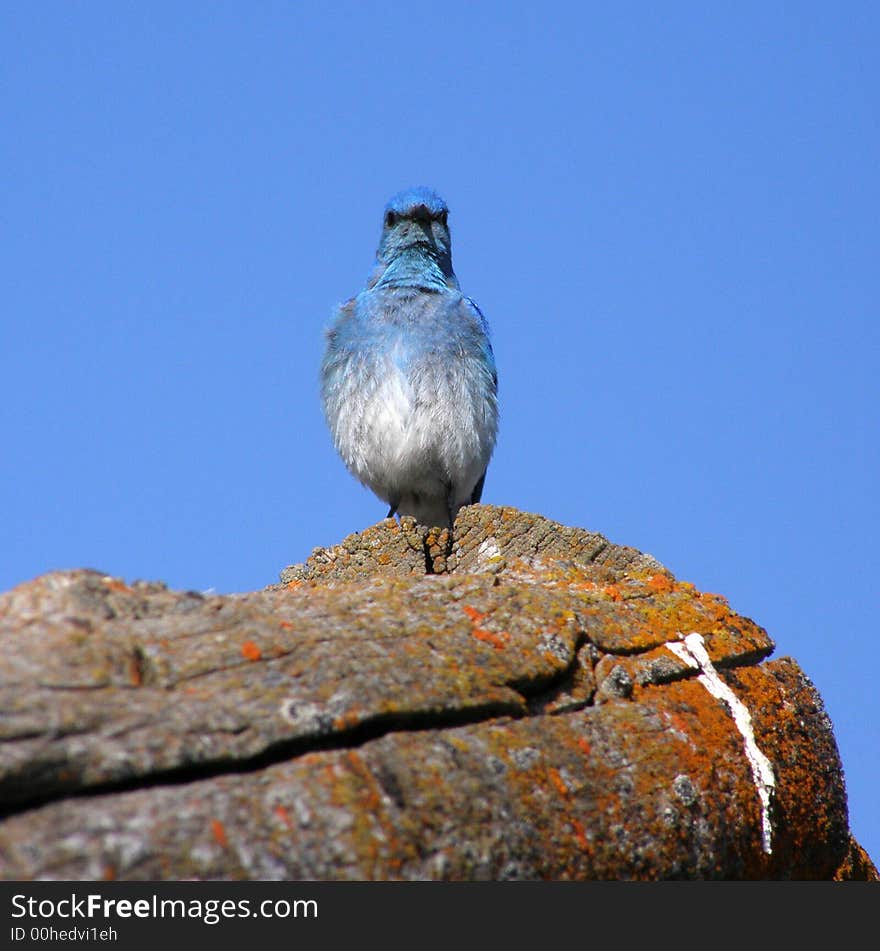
[668, 213]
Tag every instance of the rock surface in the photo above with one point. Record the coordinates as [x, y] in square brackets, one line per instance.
[514, 701]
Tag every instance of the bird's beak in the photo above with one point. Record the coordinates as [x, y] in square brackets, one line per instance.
[424, 225]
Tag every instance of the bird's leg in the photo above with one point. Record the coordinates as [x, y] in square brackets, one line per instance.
[393, 510]
[450, 504]
[477, 494]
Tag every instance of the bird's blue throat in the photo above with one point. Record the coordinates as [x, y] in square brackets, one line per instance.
[418, 266]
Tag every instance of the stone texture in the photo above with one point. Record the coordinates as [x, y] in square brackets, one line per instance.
[496, 702]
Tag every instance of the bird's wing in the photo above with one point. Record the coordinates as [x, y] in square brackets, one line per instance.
[475, 311]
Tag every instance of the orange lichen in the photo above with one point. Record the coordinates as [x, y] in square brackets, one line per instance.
[708, 595]
[284, 816]
[347, 720]
[114, 585]
[613, 592]
[584, 745]
[660, 584]
[678, 722]
[251, 651]
[558, 782]
[580, 834]
[219, 833]
[475, 615]
[498, 641]
[286, 625]
[372, 798]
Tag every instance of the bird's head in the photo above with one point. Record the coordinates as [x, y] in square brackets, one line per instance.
[415, 219]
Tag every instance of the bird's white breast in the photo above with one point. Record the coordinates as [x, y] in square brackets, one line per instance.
[417, 435]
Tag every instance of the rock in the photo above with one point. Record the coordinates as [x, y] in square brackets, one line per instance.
[513, 700]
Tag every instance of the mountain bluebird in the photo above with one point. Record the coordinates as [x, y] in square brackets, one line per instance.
[408, 379]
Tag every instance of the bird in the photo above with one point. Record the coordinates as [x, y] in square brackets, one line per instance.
[409, 385]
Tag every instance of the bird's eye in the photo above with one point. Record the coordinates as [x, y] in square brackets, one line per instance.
[390, 218]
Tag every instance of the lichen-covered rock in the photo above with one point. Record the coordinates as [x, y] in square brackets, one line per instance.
[856, 866]
[511, 700]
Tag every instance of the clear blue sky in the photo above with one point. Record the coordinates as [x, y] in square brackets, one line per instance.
[667, 212]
